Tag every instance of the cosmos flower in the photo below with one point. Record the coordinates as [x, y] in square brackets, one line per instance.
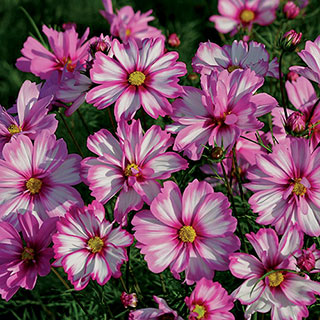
[209, 301]
[239, 55]
[32, 116]
[192, 232]
[311, 56]
[220, 113]
[88, 246]
[68, 51]
[163, 312]
[235, 14]
[22, 260]
[126, 24]
[133, 165]
[268, 284]
[286, 187]
[135, 77]
[38, 177]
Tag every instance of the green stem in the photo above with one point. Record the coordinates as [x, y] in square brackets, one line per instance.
[83, 121]
[230, 195]
[111, 120]
[283, 97]
[237, 173]
[71, 134]
[164, 289]
[73, 295]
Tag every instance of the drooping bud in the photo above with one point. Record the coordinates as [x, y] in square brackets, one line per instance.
[296, 122]
[174, 40]
[291, 10]
[290, 40]
[129, 299]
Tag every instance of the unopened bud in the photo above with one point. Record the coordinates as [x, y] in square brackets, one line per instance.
[174, 40]
[292, 76]
[69, 25]
[290, 40]
[291, 10]
[296, 122]
[193, 76]
[129, 299]
[217, 153]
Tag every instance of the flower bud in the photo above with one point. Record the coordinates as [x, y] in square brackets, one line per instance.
[193, 76]
[217, 153]
[291, 10]
[129, 299]
[306, 260]
[290, 40]
[292, 76]
[173, 40]
[296, 122]
[102, 44]
[69, 25]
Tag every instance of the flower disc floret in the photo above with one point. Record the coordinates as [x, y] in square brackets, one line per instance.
[200, 310]
[131, 170]
[299, 189]
[13, 129]
[275, 279]
[96, 244]
[34, 185]
[136, 78]
[247, 15]
[187, 234]
[27, 254]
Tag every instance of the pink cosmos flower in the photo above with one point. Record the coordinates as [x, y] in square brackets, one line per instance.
[243, 13]
[163, 312]
[127, 24]
[239, 55]
[136, 77]
[285, 293]
[308, 259]
[311, 56]
[286, 187]
[88, 246]
[38, 177]
[209, 301]
[218, 114]
[132, 165]
[23, 260]
[67, 51]
[192, 232]
[32, 117]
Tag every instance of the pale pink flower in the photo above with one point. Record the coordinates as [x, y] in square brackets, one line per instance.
[286, 187]
[311, 56]
[38, 176]
[192, 232]
[22, 260]
[32, 116]
[126, 24]
[218, 114]
[236, 14]
[67, 51]
[209, 300]
[285, 293]
[133, 165]
[239, 55]
[163, 312]
[136, 77]
[88, 246]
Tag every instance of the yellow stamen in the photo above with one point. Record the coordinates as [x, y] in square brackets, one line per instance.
[13, 129]
[96, 244]
[34, 185]
[129, 172]
[200, 310]
[128, 32]
[27, 254]
[275, 279]
[247, 15]
[136, 78]
[231, 68]
[187, 234]
[67, 61]
[299, 189]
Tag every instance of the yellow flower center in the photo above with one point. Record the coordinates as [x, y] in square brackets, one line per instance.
[13, 129]
[67, 61]
[27, 254]
[131, 170]
[96, 244]
[187, 234]
[275, 279]
[299, 189]
[200, 310]
[34, 185]
[136, 78]
[246, 15]
[128, 32]
[231, 68]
